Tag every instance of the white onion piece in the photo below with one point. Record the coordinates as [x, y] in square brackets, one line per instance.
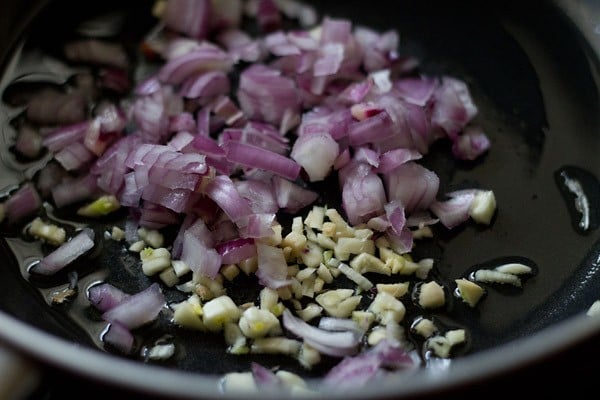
[272, 267]
[316, 153]
[336, 344]
[340, 325]
[137, 309]
[66, 253]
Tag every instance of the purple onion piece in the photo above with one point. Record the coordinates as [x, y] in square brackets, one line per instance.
[105, 296]
[137, 309]
[66, 253]
[23, 203]
[119, 337]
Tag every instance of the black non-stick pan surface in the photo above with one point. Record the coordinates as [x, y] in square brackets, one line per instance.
[535, 81]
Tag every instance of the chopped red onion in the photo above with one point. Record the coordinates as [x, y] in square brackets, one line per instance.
[74, 157]
[205, 86]
[241, 46]
[51, 107]
[115, 80]
[138, 309]
[389, 160]
[65, 135]
[207, 57]
[187, 152]
[470, 144]
[236, 250]
[413, 185]
[74, 190]
[453, 106]
[190, 17]
[402, 242]
[119, 337]
[105, 296]
[363, 193]
[257, 157]
[454, 211]
[97, 52]
[256, 226]
[225, 14]
[49, 177]
[154, 216]
[259, 194]
[416, 91]
[371, 130]
[29, 142]
[265, 95]
[23, 203]
[264, 378]
[355, 372]
[223, 192]
[199, 256]
[148, 86]
[268, 16]
[394, 212]
[290, 197]
[66, 253]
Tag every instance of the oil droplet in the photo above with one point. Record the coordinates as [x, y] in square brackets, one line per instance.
[581, 191]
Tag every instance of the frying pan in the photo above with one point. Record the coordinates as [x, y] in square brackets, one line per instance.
[533, 71]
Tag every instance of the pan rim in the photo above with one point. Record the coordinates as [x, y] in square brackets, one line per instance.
[117, 372]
